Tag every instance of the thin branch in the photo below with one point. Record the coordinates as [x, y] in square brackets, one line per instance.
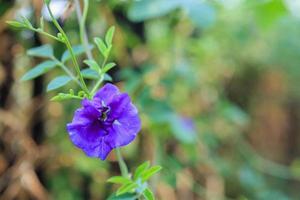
[68, 44]
[81, 20]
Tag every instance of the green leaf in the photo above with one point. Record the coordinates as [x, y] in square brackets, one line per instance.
[148, 194]
[40, 69]
[45, 51]
[140, 169]
[78, 50]
[119, 180]
[90, 74]
[126, 196]
[107, 77]
[27, 22]
[58, 82]
[126, 188]
[108, 66]
[16, 24]
[109, 36]
[101, 46]
[150, 172]
[92, 64]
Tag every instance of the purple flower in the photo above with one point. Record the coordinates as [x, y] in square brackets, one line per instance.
[106, 122]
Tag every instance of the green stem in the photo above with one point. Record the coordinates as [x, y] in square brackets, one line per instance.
[104, 61]
[45, 33]
[82, 19]
[122, 164]
[98, 83]
[69, 47]
[65, 68]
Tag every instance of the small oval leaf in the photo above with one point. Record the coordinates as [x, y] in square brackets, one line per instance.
[58, 82]
[90, 74]
[140, 169]
[40, 69]
[150, 172]
[126, 196]
[109, 36]
[101, 46]
[45, 51]
[16, 24]
[148, 194]
[107, 77]
[78, 49]
[126, 188]
[119, 180]
[108, 66]
[92, 64]
[27, 22]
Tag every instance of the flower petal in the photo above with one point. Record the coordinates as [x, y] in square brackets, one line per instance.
[90, 139]
[97, 135]
[101, 150]
[118, 105]
[86, 114]
[106, 93]
[125, 128]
